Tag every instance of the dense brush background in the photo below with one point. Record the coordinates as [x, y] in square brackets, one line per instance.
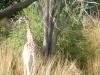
[78, 47]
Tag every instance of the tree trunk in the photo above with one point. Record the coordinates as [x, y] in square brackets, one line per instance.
[50, 33]
[46, 27]
[50, 12]
[45, 41]
[54, 42]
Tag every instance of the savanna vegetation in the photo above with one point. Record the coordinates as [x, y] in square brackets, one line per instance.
[77, 47]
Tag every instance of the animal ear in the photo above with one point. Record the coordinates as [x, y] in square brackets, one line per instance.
[25, 18]
[23, 15]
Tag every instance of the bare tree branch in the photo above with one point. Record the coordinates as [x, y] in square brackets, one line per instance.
[73, 5]
[57, 19]
[65, 23]
[14, 8]
[40, 9]
[59, 11]
[52, 8]
[56, 4]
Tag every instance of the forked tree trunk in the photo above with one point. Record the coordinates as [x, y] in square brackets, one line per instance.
[49, 43]
[50, 12]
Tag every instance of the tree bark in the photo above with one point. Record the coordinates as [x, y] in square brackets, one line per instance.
[50, 33]
[46, 27]
[14, 8]
[54, 42]
[45, 41]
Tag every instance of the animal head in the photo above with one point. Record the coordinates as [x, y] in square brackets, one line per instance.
[21, 20]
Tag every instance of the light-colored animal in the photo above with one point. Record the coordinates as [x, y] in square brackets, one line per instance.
[31, 53]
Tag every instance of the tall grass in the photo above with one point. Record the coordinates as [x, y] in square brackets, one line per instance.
[8, 64]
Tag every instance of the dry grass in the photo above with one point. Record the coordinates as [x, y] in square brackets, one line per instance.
[93, 67]
[54, 68]
[92, 20]
[92, 33]
[8, 67]
[11, 65]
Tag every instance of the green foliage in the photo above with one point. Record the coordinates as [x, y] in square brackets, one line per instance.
[76, 43]
[15, 42]
[4, 30]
